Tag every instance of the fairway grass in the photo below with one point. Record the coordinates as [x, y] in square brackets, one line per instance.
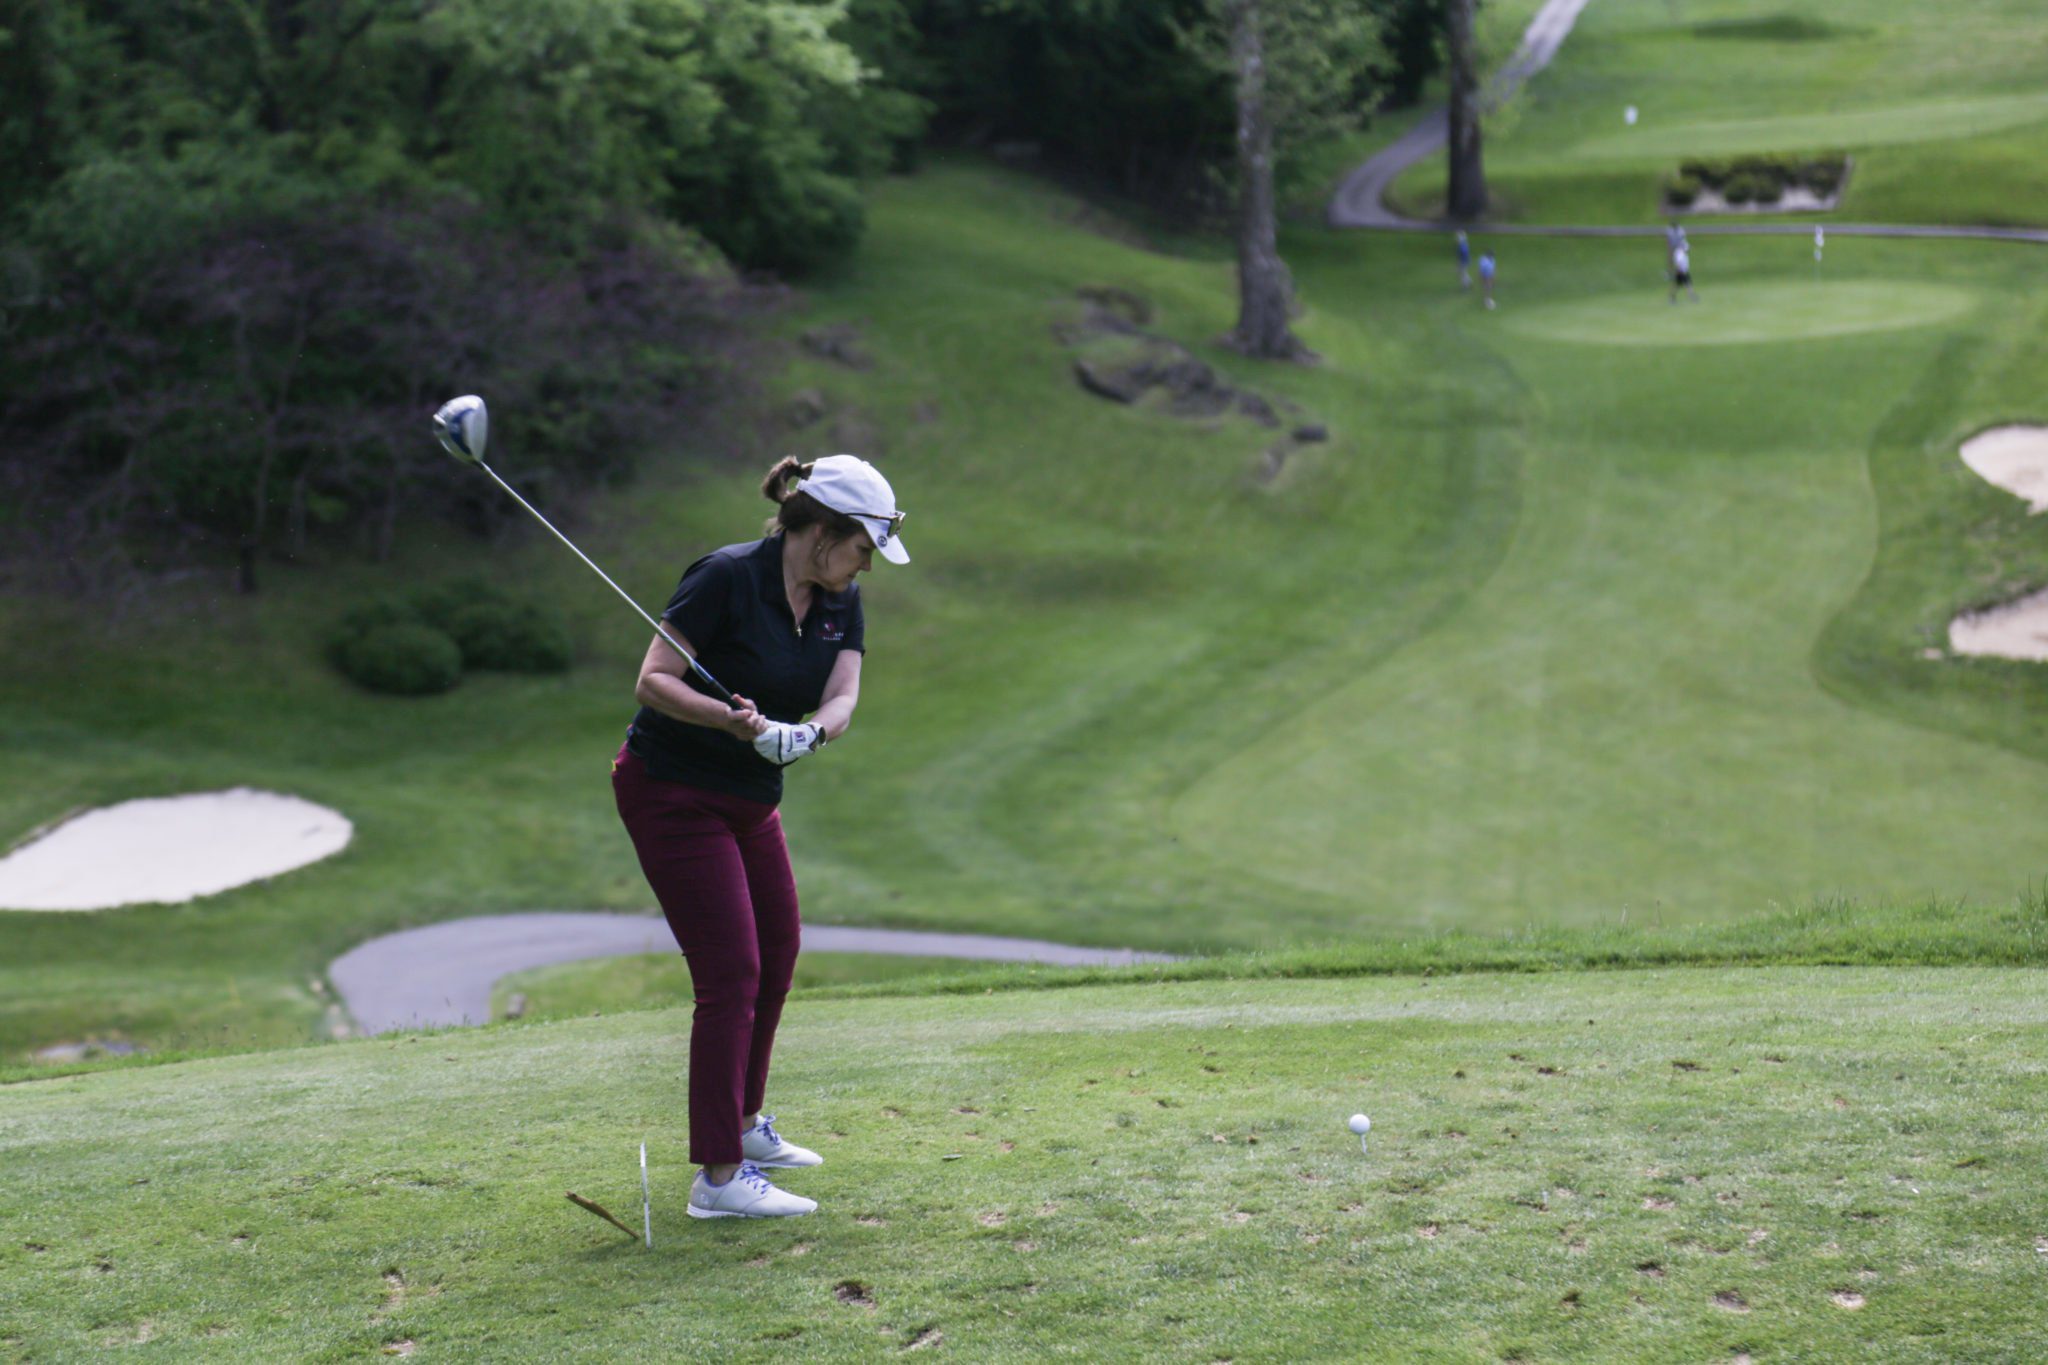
[1891, 123]
[1944, 108]
[1672, 1165]
[646, 981]
[1624, 719]
[1742, 314]
[1545, 633]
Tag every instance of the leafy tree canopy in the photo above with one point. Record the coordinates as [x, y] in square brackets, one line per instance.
[747, 121]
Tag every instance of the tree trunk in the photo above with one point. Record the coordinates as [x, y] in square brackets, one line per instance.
[1467, 197]
[1265, 291]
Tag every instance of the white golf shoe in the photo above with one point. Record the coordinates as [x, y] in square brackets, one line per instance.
[747, 1195]
[763, 1146]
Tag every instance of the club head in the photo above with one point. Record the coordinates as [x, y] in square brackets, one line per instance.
[463, 426]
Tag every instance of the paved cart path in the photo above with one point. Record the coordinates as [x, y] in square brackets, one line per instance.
[1360, 200]
[442, 974]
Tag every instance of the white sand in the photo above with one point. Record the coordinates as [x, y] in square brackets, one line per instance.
[2015, 459]
[169, 849]
[2016, 630]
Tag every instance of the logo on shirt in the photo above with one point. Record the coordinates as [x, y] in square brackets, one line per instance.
[831, 630]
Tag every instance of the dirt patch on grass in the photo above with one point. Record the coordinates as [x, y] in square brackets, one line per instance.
[1117, 359]
[839, 342]
[394, 1295]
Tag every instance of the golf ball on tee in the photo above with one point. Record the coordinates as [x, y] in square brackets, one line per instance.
[1360, 1124]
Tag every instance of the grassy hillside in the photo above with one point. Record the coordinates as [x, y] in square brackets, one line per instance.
[1536, 637]
[1945, 108]
[1791, 1163]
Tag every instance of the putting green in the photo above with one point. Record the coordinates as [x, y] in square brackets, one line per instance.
[1740, 314]
[1925, 121]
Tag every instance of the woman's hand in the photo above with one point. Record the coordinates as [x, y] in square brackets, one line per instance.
[783, 744]
[742, 721]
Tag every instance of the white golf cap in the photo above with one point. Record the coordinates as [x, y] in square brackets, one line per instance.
[849, 484]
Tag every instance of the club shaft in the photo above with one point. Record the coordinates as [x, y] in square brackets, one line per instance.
[659, 629]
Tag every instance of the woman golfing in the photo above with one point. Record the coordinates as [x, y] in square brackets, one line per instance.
[778, 620]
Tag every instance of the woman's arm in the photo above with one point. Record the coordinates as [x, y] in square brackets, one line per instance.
[842, 694]
[662, 688]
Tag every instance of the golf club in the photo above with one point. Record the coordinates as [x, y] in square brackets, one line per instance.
[463, 426]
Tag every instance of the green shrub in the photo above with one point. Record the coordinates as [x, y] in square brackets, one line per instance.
[407, 658]
[403, 644]
[371, 615]
[512, 637]
[494, 629]
[1756, 177]
[1746, 187]
[1774, 166]
[1681, 190]
[1708, 173]
[1823, 175]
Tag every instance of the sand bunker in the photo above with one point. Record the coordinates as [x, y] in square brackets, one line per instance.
[2016, 630]
[2013, 458]
[168, 849]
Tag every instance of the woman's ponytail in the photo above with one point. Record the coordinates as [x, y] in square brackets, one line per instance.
[775, 487]
[794, 511]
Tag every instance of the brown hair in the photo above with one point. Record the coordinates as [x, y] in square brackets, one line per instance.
[794, 510]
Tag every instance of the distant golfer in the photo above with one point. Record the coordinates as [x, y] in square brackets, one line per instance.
[1681, 273]
[1464, 262]
[698, 782]
[1486, 273]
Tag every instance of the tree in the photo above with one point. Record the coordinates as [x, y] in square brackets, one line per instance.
[750, 122]
[1467, 197]
[1412, 32]
[244, 244]
[1265, 289]
[1295, 65]
[274, 379]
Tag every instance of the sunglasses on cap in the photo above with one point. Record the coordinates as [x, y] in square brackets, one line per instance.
[894, 520]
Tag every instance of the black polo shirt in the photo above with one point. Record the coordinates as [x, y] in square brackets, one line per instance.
[732, 610]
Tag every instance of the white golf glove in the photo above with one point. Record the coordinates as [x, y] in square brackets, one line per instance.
[783, 744]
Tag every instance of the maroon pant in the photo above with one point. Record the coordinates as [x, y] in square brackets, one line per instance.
[720, 869]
